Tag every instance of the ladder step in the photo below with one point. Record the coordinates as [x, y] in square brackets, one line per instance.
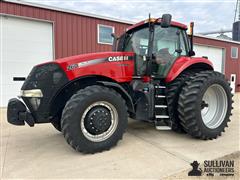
[162, 117]
[160, 87]
[160, 106]
[160, 96]
[163, 128]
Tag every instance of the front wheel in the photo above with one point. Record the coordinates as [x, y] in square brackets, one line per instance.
[205, 105]
[94, 119]
[57, 125]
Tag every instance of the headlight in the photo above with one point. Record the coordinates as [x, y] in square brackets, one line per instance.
[31, 93]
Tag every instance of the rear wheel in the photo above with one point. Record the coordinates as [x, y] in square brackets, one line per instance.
[205, 105]
[173, 91]
[94, 119]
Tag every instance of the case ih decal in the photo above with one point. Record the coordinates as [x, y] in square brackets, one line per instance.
[119, 58]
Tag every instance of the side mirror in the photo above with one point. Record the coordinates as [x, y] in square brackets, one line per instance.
[113, 35]
[166, 20]
[191, 53]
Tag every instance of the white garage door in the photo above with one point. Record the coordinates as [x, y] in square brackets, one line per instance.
[24, 43]
[214, 54]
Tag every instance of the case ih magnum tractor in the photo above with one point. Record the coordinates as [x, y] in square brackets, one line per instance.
[150, 76]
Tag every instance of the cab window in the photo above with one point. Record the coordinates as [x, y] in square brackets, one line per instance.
[137, 42]
[168, 38]
[169, 44]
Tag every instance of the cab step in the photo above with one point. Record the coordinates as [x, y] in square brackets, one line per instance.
[160, 106]
[162, 116]
[162, 119]
[160, 87]
[163, 128]
[160, 96]
[161, 125]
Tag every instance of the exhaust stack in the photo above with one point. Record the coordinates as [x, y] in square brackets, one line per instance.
[236, 24]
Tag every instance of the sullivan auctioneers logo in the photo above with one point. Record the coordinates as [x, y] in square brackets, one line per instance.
[213, 168]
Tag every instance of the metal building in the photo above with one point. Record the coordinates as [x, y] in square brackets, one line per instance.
[33, 33]
[224, 55]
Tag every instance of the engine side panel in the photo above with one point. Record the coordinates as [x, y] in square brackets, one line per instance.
[118, 66]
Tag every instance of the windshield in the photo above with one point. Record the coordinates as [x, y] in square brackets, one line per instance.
[168, 44]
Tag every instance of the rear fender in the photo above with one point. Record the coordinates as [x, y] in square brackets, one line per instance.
[187, 63]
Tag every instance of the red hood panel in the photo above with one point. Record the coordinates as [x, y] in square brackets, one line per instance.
[89, 56]
[118, 66]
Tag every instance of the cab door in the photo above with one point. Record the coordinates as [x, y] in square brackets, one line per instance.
[169, 44]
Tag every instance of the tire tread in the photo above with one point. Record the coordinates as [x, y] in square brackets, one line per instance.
[69, 109]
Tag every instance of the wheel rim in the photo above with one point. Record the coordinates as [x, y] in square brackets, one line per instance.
[99, 121]
[214, 106]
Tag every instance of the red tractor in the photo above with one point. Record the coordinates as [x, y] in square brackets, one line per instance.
[150, 76]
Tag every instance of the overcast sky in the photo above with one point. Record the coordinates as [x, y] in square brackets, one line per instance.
[208, 15]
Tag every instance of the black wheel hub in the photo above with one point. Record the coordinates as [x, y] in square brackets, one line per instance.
[97, 120]
[203, 105]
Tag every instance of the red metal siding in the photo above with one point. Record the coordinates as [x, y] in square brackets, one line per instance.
[232, 66]
[73, 34]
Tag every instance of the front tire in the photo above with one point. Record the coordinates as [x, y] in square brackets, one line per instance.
[57, 125]
[94, 119]
[205, 105]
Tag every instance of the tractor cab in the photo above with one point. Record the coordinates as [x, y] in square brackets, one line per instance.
[157, 43]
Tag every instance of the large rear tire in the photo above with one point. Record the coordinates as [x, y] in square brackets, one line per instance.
[94, 119]
[205, 105]
[173, 91]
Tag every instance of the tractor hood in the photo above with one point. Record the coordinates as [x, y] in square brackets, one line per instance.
[52, 76]
[113, 56]
[109, 64]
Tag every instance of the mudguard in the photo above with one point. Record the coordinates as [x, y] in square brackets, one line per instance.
[122, 91]
[183, 63]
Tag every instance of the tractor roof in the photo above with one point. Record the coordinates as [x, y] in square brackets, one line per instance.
[141, 23]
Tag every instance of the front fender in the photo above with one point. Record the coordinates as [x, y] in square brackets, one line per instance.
[183, 63]
[122, 91]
